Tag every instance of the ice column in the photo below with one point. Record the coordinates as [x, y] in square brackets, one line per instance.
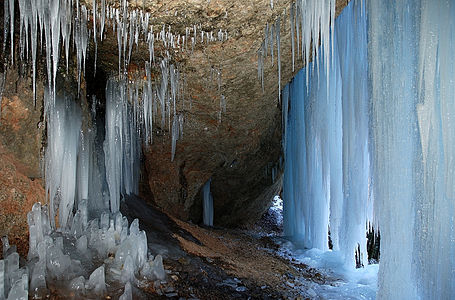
[312, 153]
[207, 204]
[395, 140]
[351, 40]
[63, 127]
[325, 117]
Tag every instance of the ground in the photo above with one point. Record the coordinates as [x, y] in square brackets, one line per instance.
[219, 263]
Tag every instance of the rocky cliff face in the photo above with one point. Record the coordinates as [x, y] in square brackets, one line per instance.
[239, 148]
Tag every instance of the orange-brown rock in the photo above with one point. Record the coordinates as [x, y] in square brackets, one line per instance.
[20, 145]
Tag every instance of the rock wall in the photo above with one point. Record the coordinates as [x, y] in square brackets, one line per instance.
[239, 149]
[239, 152]
[21, 136]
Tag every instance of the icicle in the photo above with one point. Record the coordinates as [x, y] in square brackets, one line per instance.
[272, 40]
[277, 28]
[298, 21]
[11, 22]
[181, 120]
[5, 23]
[223, 104]
[131, 36]
[94, 8]
[119, 40]
[148, 106]
[175, 135]
[174, 85]
[54, 15]
[266, 40]
[162, 93]
[292, 18]
[2, 88]
[103, 18]
[207, 204]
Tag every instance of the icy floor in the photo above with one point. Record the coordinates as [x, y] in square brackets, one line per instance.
[350, 283]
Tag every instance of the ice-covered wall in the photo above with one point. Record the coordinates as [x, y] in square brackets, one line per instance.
[325, 116]
[412, 69]
[396, 110]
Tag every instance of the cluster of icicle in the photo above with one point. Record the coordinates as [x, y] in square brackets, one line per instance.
[325, 119]
[311, 22]
[56, 21]
[72, 163]
[217, 72]
[67, 259]
[160, 101]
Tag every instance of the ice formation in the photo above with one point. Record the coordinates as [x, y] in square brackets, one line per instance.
[311, 22]
[89, 229]
[63, 21]
[333, 130]
[207, 206]
[56, 258]
[326, 143]
[412, 96]
[122, 145]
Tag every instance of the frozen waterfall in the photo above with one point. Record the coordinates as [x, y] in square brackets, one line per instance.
[325, 116]
[370, 138]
